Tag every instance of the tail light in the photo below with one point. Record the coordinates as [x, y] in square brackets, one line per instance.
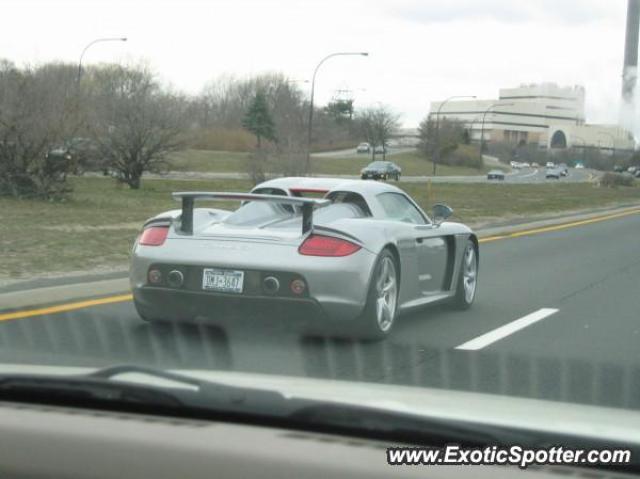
[319, 245]
[154, 236]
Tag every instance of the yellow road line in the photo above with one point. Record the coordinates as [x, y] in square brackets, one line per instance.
[61, 308]
[562, 226]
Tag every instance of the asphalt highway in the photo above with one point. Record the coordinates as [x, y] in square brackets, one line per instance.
[556, 317]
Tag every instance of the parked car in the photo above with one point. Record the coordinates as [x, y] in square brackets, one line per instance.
[550, 164]
[495, 175]
[81, 154]
[363, 148]
[618, 169]
[535, 165]
[381, 170]
[632, 169]
[637, 173]
[340, 252]
[579, 165]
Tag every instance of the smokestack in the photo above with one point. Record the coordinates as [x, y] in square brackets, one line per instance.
[630, 70]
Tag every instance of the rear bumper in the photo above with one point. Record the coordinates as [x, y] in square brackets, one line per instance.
[336, 287]
[167, 303]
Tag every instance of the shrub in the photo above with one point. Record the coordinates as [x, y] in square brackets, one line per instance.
[613, 180]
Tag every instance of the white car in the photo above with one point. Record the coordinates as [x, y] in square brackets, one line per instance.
[363, 148]
[550, 164]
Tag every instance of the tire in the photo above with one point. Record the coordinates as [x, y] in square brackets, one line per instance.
[468, 278]
[376, 321]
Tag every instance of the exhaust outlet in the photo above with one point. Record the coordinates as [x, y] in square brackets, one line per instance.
[175, 279]
[271, 285]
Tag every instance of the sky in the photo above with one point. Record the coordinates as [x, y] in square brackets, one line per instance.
[419, 50]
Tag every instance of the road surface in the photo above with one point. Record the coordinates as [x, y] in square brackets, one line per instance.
[523, 176]
[556, 317]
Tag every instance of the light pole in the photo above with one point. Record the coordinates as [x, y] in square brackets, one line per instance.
[97, 40]
[313, 87]
[436, 157]
[484, 116]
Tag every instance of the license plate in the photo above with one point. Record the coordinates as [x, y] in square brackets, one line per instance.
[223, 280]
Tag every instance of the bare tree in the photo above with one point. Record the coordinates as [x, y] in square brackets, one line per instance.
[38, 111]
[376, 126]
[450, 135]
[135, 122]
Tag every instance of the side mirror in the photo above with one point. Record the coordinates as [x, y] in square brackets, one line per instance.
[440, 213]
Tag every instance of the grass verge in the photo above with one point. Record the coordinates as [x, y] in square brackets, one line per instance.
[97, 226]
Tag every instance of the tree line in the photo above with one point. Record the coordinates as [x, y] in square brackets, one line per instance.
[121, 120]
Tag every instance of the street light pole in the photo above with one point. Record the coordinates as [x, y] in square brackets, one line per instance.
[98, 40]
[484, 116]
[436, 156]
[313, 87]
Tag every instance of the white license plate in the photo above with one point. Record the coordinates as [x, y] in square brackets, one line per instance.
[223, 280]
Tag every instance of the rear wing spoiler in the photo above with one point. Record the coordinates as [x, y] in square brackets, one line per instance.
[307, 205]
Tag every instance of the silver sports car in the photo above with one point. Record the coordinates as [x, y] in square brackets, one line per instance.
[350, 255]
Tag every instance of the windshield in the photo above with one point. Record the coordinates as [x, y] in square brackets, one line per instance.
[450, 199]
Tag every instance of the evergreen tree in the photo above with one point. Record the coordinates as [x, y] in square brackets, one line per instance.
[258, 120]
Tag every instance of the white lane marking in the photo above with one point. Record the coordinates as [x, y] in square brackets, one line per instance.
[504, 331]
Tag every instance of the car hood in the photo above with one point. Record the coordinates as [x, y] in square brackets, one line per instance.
[603, 423]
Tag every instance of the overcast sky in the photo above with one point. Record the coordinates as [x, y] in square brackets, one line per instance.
[420, 50]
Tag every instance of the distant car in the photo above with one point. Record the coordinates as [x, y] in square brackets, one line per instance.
[381, 149]
[363, 148]
[381, 170]
[525, 165]
[637, 173]
[579, 166]
[618, 169]
[495, 175]
[515, 165]
[553, 173]
[632, 169]
[550, 164]
[535, 165]
[80, 154]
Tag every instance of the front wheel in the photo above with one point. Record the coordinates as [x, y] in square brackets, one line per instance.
[379, 313]
[467, 278]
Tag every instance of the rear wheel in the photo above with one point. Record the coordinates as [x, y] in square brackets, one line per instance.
[468, 278]
[379, 313]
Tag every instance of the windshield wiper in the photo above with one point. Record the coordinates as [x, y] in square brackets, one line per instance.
[101, 389]
[198, 399]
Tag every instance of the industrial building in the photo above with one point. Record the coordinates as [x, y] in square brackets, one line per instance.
[546, 114]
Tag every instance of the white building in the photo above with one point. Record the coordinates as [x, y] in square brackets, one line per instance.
[545, 114]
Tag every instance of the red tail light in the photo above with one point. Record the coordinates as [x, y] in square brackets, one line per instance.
[318, 245]
[154, 236]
